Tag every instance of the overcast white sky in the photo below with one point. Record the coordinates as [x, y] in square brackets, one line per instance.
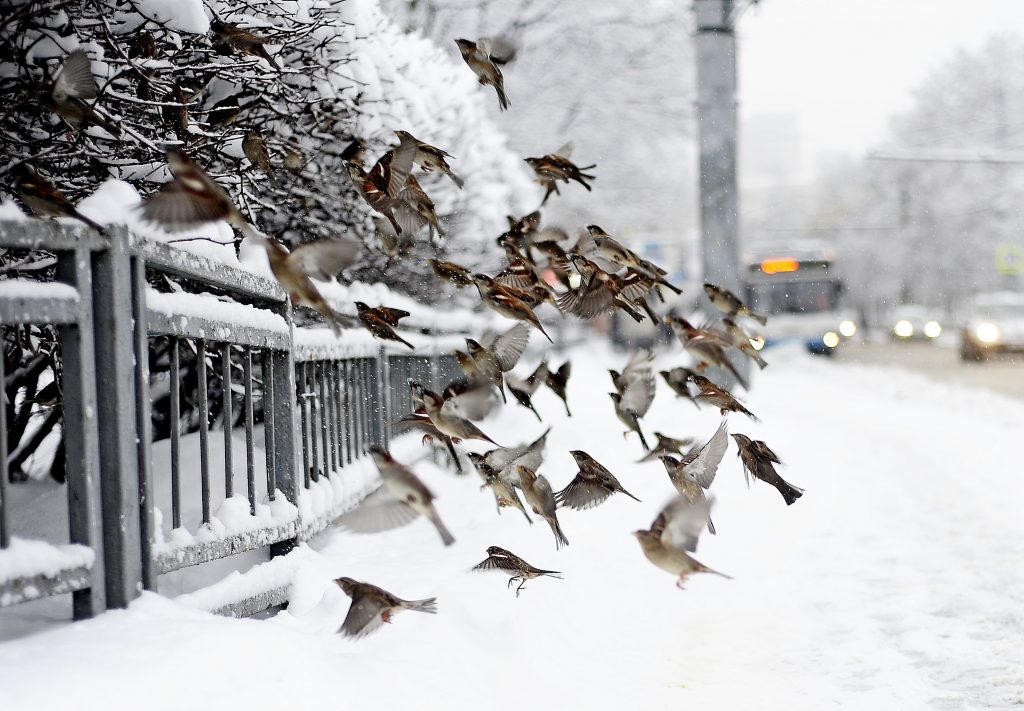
[845, 66]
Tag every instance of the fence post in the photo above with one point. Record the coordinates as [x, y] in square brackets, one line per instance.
[82, 458]
[116, 398]
[143, 420]
[282, 373]
[383, 396]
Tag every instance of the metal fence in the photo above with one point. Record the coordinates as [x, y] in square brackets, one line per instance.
[247, 372]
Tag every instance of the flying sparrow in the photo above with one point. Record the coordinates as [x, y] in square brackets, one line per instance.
[708, 346]
[677, 380]
[506, 459]
[605, 249]
[523, 390]
[741, 339]
[487, 72]
[430, 157]
[452, 273]
[665, 445]
[759, 461]
[504, 493]
[729, 304]
[540, 497]
[673, 536]
[558, 381]
[521, 571]
[598, 292]
[591, 485]
[696, 471]
[373, 606]
[71, 91]
[448, 421]
[380, 187]
[44, 198]
[419, 420]
[382, 321]
[718, 396]
[555, 167]
[507, 301]
[414, 209]
[499, 355]
[400, 499]
[230, 37]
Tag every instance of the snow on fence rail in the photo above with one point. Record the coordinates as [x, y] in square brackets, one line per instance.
[295, 408]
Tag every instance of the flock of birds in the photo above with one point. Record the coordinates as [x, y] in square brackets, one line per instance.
[592, 276]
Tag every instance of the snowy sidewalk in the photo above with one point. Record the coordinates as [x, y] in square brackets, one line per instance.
[896, 582]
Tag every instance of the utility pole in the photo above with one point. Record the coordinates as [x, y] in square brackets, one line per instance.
[716, 132]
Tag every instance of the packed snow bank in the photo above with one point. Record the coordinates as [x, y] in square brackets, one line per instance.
[894, 583]
[25, 558]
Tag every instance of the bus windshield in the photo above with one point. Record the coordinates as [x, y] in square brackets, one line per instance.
[780, 296]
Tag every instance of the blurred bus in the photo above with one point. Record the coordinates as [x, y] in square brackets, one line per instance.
[801, 293]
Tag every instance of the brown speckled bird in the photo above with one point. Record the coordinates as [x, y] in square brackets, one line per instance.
[524, 390]
[505, 494]
[558, 382]
[71, 92]
[677, 380]
[759, 461]
[431, 158]
[451, 272]
[229, 38]
[541, 498]
[555, 167]
[510, 302]
[382, 185]
[666, 445]
[43, 198]
[373, 606]
[449, 421]
[255, 149]
[742, 340]
[673, 536]
[382, 321]
[497, 354]
[521, 571]
[695, 472]
[401, 498]
[477, 56]
[718, 396]
[707, 345]
[729, 304]
[592, 484]
[192, 198]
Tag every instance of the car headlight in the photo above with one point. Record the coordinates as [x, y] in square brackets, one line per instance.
[847, 328]
[830, 339]
[987, 332]
[756, 342]
[903, 328]
[932, 329]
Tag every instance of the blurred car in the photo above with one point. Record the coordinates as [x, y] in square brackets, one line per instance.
[912, 322]
[992, 323]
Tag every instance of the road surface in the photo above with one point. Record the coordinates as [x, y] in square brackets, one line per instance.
[1003, 374]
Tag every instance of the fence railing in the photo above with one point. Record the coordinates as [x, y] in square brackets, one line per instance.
[166, 398]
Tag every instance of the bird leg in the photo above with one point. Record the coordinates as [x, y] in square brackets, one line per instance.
[521, 584]
[682, 579]
[511, 580]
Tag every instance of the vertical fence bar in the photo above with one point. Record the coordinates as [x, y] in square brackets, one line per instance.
[304, 415]
[340, 409]
[325, 414]
[269, 410]
[345, 386]
[175, 432]
[383, 410]
[285, 433]
[250, 464]
[143, 421]
[119, 485]
[5, 533]
[372, 400]
[204, 428]
[229, 484]
[309, 386]
[356, 404]
[332, 403]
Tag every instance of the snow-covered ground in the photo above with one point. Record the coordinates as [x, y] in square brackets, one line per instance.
[894, 583]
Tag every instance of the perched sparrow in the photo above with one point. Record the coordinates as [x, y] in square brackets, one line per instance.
[510, 303]
[255, 149]
[430, 157]
[541, 499]
[43, 198]
[558, 380]
[555, 167]
[450, 422]
[598, 293]
[381, 186]
[400, 499]
[591, 486]
[718, 396]
[741, 339]
[192, 198]
[501, 559]
[729, 304]
[225, 111]
[523, 390]
[317, 260]
[604, 249]
[696, 471]
[71, 91]
[504, 493]
[706, 345]
[177, 117]
[382, 321]
[452, 273]
[665, 445]
[232, 37]
[490, 363]
[506, 459]
[487, 72]
[759, 461]
[673, 535]
[677, 380]
[373, 606]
